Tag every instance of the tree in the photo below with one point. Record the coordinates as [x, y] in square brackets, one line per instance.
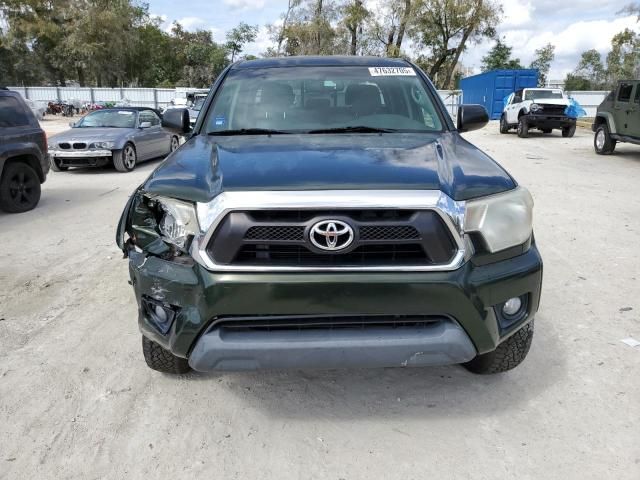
[542, 62]
[239, 36]
[354, 14]
[624, 58]
[499, 57]
[445, 28]
[574, 82]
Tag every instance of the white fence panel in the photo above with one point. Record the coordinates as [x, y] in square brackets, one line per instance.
[452, 100]
[589, 100]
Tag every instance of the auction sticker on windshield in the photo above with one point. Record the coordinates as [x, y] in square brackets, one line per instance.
[124, 112]
[391, 71]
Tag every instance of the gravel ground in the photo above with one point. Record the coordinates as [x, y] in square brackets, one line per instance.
[77, 400]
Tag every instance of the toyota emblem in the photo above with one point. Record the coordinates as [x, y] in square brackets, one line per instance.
[331, 235]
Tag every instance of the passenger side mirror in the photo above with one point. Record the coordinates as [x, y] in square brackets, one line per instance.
[176, 120]
[145, 124]
[471, 117]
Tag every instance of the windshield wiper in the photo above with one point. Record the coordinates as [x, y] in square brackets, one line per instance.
[248, 131]
[354, 129]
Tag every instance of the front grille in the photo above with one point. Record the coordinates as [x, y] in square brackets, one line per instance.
[382, 237]
[552, 109]
[324, 322]
[299, 255]
[64, 145]
[392, 232]
[280, 233]
[79, 146]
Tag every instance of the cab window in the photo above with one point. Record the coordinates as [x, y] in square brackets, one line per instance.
[624, 94]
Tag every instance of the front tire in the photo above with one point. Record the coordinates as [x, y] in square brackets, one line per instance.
[523, 127]
[507, 356]
[163, 360]
[125, 160]
[175, 143]
[19, 188]
[504, 126]
[602, 141]
[568, 132]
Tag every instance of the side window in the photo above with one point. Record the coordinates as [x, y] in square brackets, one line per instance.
[153, 118]
[624, 94]
[636, 98]
[12, 113]
[517, 98]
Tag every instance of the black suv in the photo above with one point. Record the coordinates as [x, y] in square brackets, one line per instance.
[325, 213]
[24, 161]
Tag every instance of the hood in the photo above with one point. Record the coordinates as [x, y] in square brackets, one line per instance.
[207, 165]
[91, 133]
[552, 101]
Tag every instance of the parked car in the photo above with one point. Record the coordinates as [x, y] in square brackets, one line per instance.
[541, 108]
[618, 118]
[24, 163]
[327, 213]
[122, 136]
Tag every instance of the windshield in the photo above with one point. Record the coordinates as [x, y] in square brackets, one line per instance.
[538, 94]
[320, 99]
[109, 118]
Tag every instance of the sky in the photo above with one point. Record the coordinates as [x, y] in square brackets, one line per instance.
[572, 27]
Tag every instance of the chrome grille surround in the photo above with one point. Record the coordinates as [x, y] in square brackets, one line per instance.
[212, 213]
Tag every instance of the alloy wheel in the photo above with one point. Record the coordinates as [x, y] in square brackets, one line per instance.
[129, 157]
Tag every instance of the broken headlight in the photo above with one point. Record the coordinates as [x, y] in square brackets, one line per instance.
[178, 222]
[503, 220]
[535, 107]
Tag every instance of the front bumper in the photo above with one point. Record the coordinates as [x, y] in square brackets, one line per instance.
[549, 121]
[81, 158]
[464, 298]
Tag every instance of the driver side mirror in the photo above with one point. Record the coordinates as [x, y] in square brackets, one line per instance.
[145, 124]
[471, 117]
[176, 120]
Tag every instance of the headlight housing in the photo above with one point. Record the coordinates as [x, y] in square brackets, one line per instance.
[178, 222]
[535, 107]
[102, 145]
[503, 220]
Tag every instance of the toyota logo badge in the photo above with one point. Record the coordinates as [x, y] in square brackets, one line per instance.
[331, 235]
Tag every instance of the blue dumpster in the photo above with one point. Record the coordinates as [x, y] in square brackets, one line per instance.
[490, 88]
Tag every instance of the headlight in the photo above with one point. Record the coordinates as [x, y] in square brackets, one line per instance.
[103, 145]
[503, 220]
[535, 107]
[178, 221]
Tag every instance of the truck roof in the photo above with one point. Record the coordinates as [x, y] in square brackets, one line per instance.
[322, 61]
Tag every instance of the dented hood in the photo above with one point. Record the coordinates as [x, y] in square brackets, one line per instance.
[207, 165]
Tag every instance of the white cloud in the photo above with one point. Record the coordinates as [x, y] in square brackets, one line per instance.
[517, 13]
[191, 23]
[244, 4]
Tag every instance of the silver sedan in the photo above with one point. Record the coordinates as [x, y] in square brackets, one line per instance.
[125, 136]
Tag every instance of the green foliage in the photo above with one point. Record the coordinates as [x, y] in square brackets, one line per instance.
[239, 36]
[622, 63]
[499, 57]
[105, 42]
[542, 62]
[443, 29]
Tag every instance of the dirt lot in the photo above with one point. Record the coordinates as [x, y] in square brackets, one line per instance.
[77, 400]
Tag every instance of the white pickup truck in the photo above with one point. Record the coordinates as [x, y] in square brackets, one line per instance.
[541, 108]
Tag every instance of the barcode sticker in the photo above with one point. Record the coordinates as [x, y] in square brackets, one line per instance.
[392, 72]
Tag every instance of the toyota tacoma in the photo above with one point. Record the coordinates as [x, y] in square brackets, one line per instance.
[325, 212]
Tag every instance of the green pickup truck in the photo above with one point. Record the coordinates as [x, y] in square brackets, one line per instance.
[618, 118]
